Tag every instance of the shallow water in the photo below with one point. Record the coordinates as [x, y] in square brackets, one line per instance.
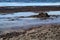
[6, 20]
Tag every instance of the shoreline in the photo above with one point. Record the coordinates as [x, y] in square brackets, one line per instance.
[12, 9]
[40, 29]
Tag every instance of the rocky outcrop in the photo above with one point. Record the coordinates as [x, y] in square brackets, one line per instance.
[43, 15]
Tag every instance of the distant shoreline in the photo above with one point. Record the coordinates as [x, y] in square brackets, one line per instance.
[12, 9]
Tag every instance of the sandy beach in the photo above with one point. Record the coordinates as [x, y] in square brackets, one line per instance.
[43, 32]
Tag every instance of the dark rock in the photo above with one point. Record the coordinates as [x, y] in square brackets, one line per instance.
[11, 19]
[40, 15]
[43, 15]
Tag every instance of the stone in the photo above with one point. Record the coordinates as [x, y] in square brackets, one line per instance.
[43, 15]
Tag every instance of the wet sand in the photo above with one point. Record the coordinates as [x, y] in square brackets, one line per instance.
[42, 32]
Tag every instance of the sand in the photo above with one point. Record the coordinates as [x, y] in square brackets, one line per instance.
[43, 32]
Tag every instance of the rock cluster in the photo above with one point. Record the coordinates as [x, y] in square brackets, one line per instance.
[43, 15]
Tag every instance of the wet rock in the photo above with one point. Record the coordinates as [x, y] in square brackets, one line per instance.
[43, 15]
[12, 19]
[40, 15]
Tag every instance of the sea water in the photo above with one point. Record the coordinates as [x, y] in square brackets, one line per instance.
[7, 22]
